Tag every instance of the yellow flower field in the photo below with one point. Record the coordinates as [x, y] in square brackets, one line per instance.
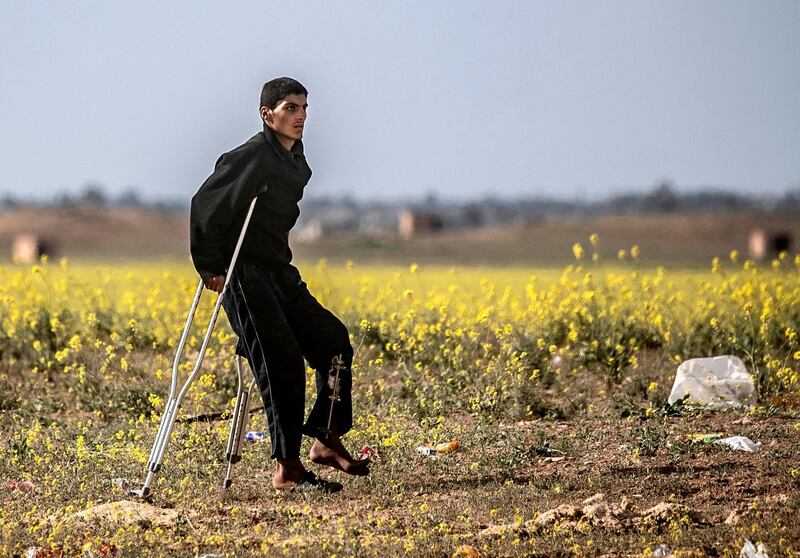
[523, 365]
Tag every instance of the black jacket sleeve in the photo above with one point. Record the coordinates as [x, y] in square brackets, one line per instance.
[237, 178]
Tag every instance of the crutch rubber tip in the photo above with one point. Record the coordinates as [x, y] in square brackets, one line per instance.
[227, 483]
[143, 492]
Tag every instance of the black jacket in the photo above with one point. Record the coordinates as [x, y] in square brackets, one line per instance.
[260, 166]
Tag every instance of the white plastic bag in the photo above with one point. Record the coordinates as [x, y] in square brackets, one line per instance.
[721, 381]
[749, 550]
[742, 443]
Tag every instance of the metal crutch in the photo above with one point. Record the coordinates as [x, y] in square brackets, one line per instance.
[241, 410]
[174, 401]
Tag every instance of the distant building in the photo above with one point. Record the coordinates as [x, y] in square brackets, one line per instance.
[762, 244]
[325, 221]
[309, 232]
[412, 223]
[29, 248]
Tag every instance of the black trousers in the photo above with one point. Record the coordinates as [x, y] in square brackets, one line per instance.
[279, 323]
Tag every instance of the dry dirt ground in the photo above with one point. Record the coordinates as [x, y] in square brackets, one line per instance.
[597, 486]
[593, 484]
[595, 476]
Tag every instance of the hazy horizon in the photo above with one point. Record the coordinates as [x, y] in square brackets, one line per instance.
[112, 197]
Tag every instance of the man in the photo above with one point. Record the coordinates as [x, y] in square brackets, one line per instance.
[268, 305]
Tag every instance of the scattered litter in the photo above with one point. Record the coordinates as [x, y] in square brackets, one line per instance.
[34, 552]
[122, 482]
[455, 445]
[22, 486]
[466, 551]
[448, 447]
[254, 436]
[558, 458]
[546, 451]
[368, 453]
[210, 556]
[558, 363]
[783, 401]
[749, 550]
[662, 551]
[716, 382]
[702, 438]
[742, 443]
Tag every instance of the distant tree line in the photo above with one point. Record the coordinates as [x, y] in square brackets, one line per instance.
[663, 197]
[344, 213]
[93, 195]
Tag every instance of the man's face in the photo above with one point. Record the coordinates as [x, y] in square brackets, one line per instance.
[288, 117]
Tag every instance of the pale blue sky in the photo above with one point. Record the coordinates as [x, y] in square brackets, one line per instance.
[559, 99]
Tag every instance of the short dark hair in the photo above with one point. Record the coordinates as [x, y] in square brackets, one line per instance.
[279, 88]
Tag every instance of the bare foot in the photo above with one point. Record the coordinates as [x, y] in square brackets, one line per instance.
[288, 472]
[331, 453]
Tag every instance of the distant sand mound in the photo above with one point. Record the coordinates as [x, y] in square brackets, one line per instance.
[94, 232]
